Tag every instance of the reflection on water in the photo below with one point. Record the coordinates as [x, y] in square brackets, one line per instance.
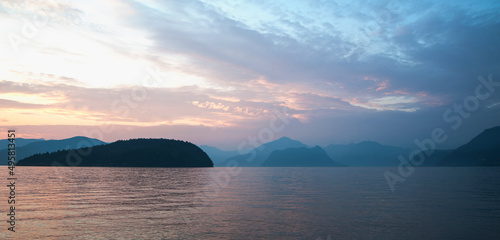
[258, 203]
[104, 203]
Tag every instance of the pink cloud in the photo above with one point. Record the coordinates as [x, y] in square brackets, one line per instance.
[383, 85]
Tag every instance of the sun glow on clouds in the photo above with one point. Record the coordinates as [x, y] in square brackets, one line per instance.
[42, 99]
[95, 47]
[47, 117]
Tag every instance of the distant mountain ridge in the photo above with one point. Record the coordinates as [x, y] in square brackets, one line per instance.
[258, 155]
[363, 154]
[366, 154]
[300, 157]
[127, 153]
[48, 146]
[218, 156]
[484, 150]
[20, 142]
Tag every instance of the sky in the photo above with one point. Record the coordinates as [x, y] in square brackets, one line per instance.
[221, 72]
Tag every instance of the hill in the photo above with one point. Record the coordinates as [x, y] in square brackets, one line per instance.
[482, 150]
[129, 153]
[366, 154]
[258, 155]
[49, 146]
[300, 157]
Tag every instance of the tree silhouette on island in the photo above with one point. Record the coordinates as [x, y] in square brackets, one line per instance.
[127, 153]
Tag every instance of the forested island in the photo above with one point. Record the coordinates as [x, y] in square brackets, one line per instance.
[126, 153]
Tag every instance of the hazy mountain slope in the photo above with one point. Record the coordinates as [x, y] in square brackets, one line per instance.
[434, 157]
[262, 152]
[218, 156]
[300, 157]
[482, 150]
[20, 142]
[366, 154]
[50, 146]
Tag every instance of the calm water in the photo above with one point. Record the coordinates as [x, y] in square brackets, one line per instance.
[258, 203]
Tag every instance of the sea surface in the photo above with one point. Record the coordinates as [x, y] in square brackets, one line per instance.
[254, 203]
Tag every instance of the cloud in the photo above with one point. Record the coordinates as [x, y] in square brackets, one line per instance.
[133, 105]
[332, 66]
[9, 104]
[228, 50]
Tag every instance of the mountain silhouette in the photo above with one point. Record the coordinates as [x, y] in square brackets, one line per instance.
[366, 154]
[300, 157]
[20, 142]
[218, 156]
[49, 146]
[127, 153]
[258, 155]
[482, 150]
[431, 159]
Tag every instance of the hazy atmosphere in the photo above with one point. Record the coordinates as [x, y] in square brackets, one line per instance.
[251, 119]
[216, 72]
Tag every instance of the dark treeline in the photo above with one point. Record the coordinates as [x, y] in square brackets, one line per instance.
[141, 152]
